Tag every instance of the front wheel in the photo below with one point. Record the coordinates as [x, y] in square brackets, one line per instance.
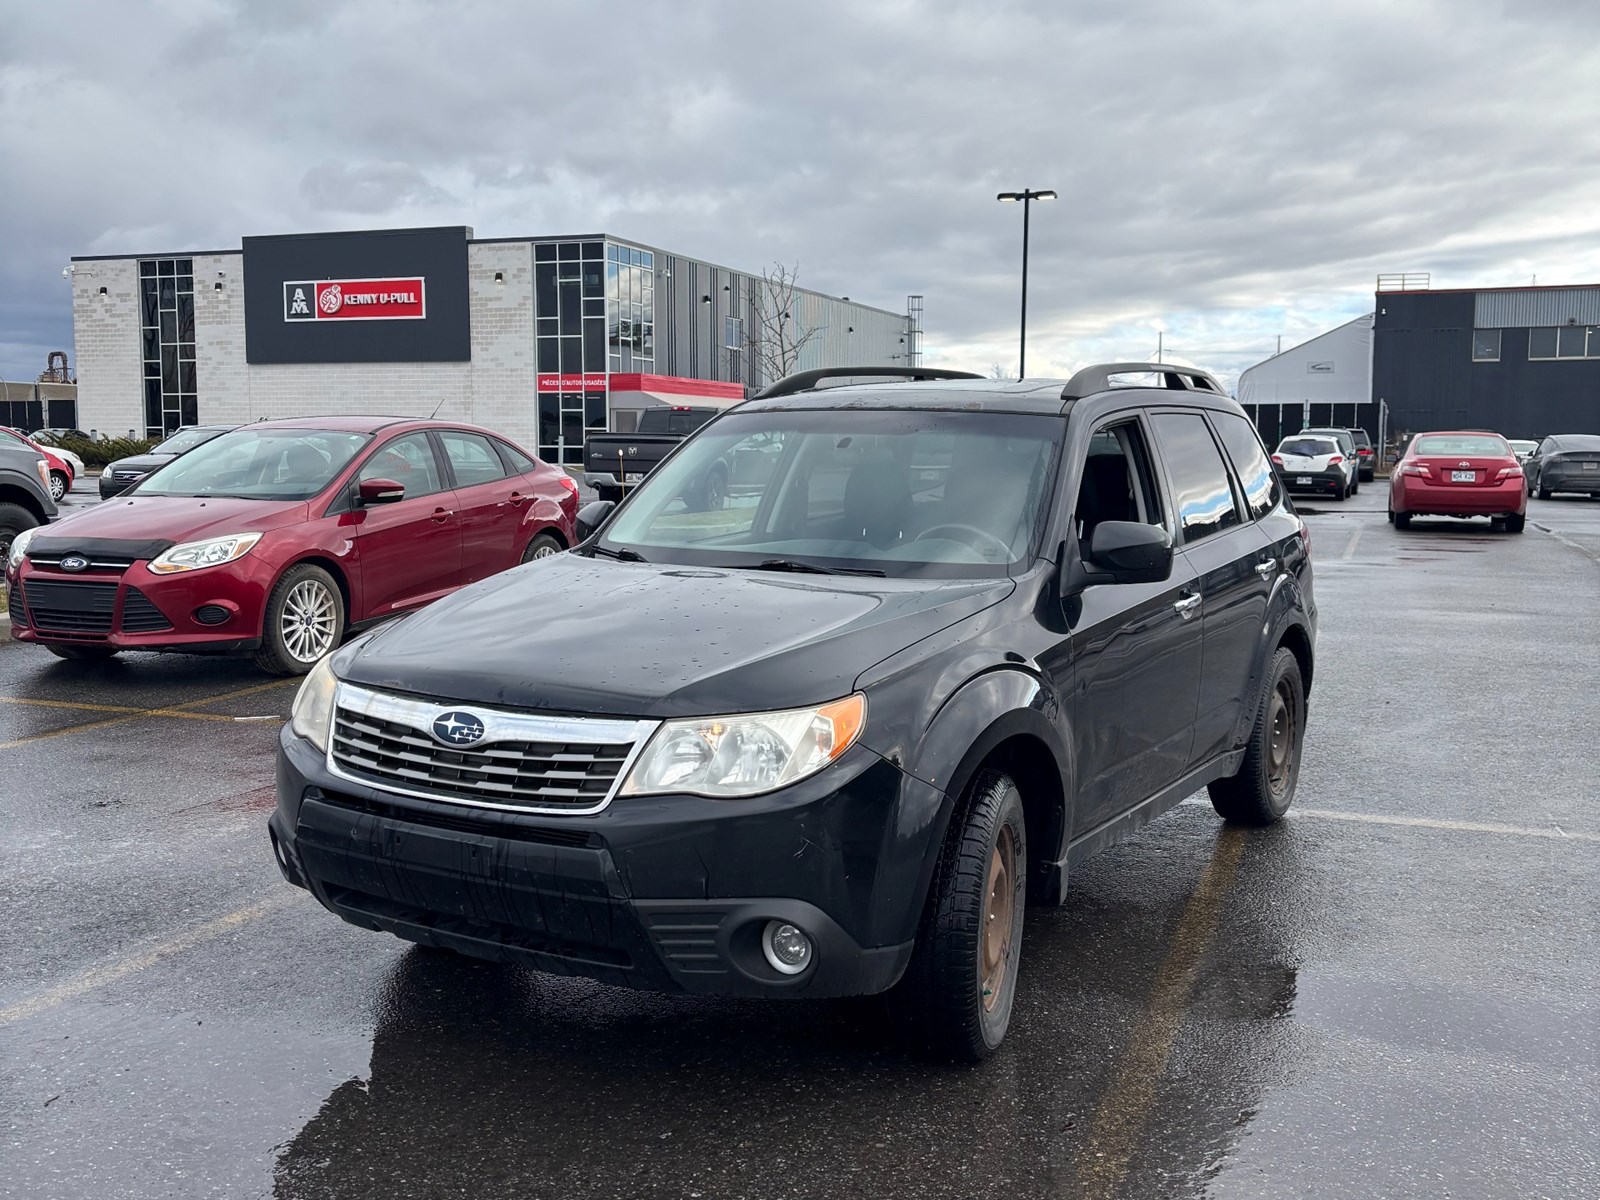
[956, 995]
[59, 484]
[304, 621]
[1262, 789]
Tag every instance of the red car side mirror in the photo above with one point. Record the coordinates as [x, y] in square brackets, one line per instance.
[380, 491]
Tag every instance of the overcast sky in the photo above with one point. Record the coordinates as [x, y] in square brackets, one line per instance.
[1228, 172]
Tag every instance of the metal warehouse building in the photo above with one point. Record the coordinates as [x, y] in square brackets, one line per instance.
[1523, 361]
[543, 339]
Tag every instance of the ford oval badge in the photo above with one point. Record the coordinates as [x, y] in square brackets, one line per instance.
[73, 562]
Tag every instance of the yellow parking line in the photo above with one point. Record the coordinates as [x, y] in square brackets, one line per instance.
[98, 977]
[109, 708]
[135, 714]
[1120, 1118]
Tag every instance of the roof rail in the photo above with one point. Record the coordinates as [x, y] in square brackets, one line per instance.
[805, 381]
[1179, 379]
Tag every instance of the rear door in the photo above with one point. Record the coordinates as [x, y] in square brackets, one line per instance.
[1228, 553]
[489, 503]
[408, 552]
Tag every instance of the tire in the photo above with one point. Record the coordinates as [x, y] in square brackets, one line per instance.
[1516, 522]
[1342, 494]
[1262, 789]
[60, 485]
[14, 519]
[1545, 493]
[542, 546]
[304, 620]
[955, 998]
[1390, 516]
[1402, 520]
[81, 653]
[711, 495]
[1355, 485]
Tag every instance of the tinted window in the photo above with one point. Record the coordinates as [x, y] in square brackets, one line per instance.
[1463, 443]
[257, 463]
[520, 463]
[1195, 471]
[1250, 462]
[472, 458]
[1308, 447]
[407, 460]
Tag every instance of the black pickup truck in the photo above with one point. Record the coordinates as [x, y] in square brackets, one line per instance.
[614, 462]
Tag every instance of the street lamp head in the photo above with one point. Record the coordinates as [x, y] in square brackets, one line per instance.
[1047, 194]
[1009, 197]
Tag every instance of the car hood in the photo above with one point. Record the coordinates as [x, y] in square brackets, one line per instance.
[141, 462]
[577, 634]
[172, 519]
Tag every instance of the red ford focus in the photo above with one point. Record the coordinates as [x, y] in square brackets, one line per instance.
[1461, 474]
[278, 538]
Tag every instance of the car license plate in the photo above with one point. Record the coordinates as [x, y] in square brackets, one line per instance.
[633, 477]
[1302, 480]
[1463, 477]
[1591, 466]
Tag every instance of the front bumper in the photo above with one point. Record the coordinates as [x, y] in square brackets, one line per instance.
[1420, 497]
[663, 893]
[134, 609]
[110, 487]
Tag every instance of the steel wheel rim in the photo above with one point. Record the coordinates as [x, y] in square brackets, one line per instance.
[58, 487]
[994, 952]
[1280, 737]
[308, 621]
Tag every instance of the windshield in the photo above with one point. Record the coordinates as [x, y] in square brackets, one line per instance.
[1460, 443]
[185, 440]
[1305, 447]
[258, 464]
[892, 492]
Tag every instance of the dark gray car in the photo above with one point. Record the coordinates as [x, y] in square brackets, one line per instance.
[125, 472]
[24, 494]
[1565, 462]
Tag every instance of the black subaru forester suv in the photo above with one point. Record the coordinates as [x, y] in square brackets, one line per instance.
[943, 638]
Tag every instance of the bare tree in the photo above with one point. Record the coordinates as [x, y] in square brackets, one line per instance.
[996, 371]
[780, 335]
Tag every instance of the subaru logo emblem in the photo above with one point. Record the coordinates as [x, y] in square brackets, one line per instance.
[458, 728]
[73, 562]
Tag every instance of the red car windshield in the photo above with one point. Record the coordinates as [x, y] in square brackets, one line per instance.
[1448, 445]
[258, 464]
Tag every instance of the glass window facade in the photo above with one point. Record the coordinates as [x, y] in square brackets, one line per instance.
[166, 337]
[570, 289]
[630, 308]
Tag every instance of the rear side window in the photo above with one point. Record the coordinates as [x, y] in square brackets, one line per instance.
[1250, 462]
[1195, 470]
[471, 458]
[519, 462]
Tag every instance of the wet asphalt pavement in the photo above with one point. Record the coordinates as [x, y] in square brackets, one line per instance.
[1392, 993]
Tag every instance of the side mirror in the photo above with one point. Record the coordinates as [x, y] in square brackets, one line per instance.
[591, 516]
[380, 491]
[1131, 552]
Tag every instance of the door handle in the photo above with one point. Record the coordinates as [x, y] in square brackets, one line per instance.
[1267, 568]
[440, 515]
[517, 499]
[1184, 606]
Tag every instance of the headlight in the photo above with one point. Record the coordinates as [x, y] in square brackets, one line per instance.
[726, 757]
[43, 468]
[192, 556]
[19, 547]
[312, 714]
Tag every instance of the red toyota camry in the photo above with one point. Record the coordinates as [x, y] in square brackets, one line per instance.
[1462, 474]
[280, 537]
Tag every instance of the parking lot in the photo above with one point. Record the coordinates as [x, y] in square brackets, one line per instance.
[1392, 993]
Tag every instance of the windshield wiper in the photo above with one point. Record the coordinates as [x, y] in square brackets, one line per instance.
[621, 555]
[790, 564]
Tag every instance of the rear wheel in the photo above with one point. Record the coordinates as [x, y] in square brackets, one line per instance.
[304, 621]
[1544, 492]
[81, 653]
[1516, 522]
[59, 484]
[1389, 516]
[13, 520]
[955, 997]
[542, 546]
[1402, 520]
[1263, 787]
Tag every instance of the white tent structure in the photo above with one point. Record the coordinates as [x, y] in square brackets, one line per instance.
[1326, 381]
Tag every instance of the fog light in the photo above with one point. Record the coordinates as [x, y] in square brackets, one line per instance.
[787, 948]
[211, 614]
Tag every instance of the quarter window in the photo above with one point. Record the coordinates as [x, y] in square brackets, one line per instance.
[1199, 479]
[1250, 462]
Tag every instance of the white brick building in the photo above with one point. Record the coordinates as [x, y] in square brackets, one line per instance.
[543, 340]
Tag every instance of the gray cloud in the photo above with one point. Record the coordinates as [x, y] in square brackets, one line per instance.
[1227, 172]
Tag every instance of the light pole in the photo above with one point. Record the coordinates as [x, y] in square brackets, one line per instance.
[1027, 197]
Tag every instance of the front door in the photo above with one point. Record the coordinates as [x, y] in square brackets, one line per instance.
[407, 552]
[1133, 664]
